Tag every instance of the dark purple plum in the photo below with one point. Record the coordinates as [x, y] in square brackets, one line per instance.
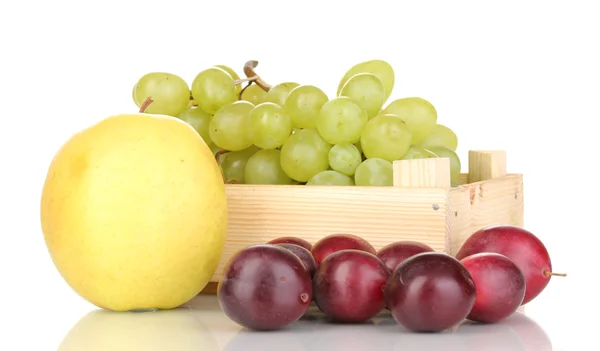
[292, 240]
[500, 286]
[337, 242]
[348, 286]
[265, 287]
[430, 292]
[304, 255]
[395, 253]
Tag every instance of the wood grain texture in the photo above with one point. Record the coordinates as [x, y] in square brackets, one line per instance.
[484, 165]
[422, 173]
[259, 213]
[421, 207]
[479, 204]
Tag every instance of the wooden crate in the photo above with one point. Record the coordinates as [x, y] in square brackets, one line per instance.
[421, 206]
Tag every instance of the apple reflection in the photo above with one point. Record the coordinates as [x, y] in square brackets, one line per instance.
[178, 329]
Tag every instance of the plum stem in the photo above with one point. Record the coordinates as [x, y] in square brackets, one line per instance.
[146, 103]
[552, 274]
[304, 297]
[250, 73]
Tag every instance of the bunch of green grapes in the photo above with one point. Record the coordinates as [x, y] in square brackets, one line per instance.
[294, 133]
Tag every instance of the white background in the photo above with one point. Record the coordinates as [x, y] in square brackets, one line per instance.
[522, 76]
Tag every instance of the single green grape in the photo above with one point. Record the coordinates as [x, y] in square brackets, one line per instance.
[234, 163]
[303, 105]
[385, 137]
[304, 154]
[233, 75]
[341, 120]
[264, 167]
[344, 158]
[417, 152]
[374, 172]
[279, 93]
[379, 68]
[254, 94]
[268, 125]
[367, 90]
[212, 89]
[170, 94]
[455, 165]
[330, 178]
[227, 128]
[198, 119]
[419, 114]
[440, 136]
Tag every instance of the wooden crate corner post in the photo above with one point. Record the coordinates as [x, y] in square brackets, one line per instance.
[486, 165]
[490, 196]
[430, 176]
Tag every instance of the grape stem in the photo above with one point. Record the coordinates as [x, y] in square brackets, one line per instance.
[244, 80]
[220, 153]
[192, 99]
[217, 156]
[250, 73]
[146, 103]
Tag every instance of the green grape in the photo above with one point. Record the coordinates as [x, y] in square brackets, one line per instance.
[367, 90]
[330, 178]
[214, 148]
[268, 125]
[385, 137]
[419, 114]
[344, 158]
[374, 172]
[303, 105]
[254, 94]
[379, 68]
[234, 163]
[455, 165]
[198, 119]
[417, 152]
[228, 126]
[304, 154]
[341, 120]
[233, 75]
[170, 94]
[440, 136]
[264, 167]
[212, 89]
[279, 93]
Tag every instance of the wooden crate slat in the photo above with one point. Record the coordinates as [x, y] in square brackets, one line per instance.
[259, 213]
[421, 206]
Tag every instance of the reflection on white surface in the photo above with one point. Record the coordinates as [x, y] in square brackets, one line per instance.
[179, 329]
[200, 325]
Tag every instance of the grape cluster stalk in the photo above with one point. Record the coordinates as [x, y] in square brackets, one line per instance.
[295, 133]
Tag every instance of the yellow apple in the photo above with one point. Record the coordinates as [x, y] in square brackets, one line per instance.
[134, 212]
